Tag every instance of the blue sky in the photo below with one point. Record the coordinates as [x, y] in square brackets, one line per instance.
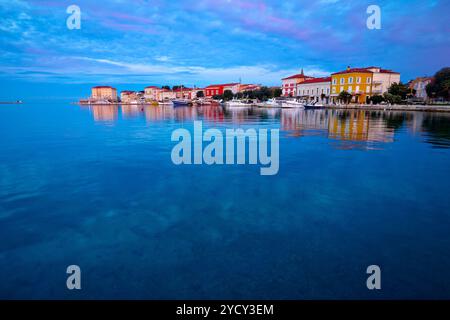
[131, 44]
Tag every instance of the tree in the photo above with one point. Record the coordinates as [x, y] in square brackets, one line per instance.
[391, 98]
[345, 97]
[227, 95]
[200, 94]
[165, 87]
[440, 86]
[376, 99]
[399, 89]
[176, 87]
[239, 95]
[277, 93]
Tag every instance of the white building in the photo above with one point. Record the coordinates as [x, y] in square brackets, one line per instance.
[233, 87]
[420, 85]
[289, 84]
[151, 93]
[317, 89]
[166, 95]
[382, 79]
[195, 91]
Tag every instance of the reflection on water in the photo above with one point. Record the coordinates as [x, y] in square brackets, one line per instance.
[104, 113]
[96, 186]
[345, 126]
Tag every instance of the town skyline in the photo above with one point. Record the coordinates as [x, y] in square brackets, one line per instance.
[160, 43]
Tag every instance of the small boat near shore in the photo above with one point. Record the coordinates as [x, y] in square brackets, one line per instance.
[293, 104]
[202, 102]
[238, 103]
[181, 103]
[314, 106]
[271, 103]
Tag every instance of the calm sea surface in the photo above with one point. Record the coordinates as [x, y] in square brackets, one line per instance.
[96, 187]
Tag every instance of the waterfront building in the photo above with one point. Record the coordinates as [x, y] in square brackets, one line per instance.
[151, 93]
[132, 96]
[104, 93]
[356, 81]
[362, 83]
[140, 96]
[314, 90]
[219, 89]
[165, 95]
[233, 87]
[127, 96]
[183, 93]
[195, 91]
[249, 87]
[289, 84]
[383, 79]
[419, 84]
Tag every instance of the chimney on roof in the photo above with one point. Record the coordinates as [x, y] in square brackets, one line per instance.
[348, 68]
[302, 72]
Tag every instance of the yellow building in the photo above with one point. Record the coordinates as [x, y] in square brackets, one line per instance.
[356, 81]
[362, 83]
[104, 93]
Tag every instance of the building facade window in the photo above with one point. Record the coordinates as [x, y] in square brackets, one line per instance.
[369, 80]
[358, 79]
[350, 80]
[342, 80]
[334, 81]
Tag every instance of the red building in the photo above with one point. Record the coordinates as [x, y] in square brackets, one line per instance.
[219, 89]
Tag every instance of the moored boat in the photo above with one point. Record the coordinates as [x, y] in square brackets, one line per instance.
[181, 103]
[238, 103]
[292, 104]
[313, 105]
[271, 103]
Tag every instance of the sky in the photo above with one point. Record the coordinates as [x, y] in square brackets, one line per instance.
[135, 43]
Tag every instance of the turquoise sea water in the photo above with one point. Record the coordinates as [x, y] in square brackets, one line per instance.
[96, 187]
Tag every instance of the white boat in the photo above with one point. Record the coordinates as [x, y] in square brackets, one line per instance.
[102, 102]
[238, 103]
[271, 103]
[203, 102]
[292, 104]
